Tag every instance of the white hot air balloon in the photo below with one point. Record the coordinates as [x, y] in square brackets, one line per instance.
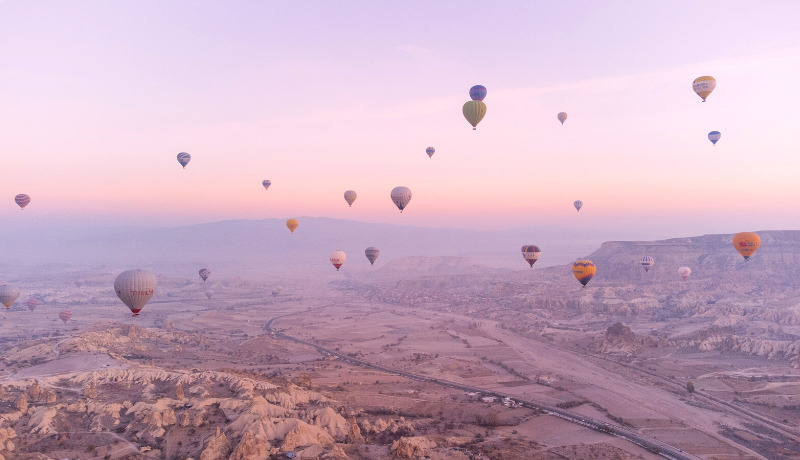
[350, 197]
[135, 288]
[401, 196]
[8, 295]
[684, 272]
[647, 263]
[337, 258]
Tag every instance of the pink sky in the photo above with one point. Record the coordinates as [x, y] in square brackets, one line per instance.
[99, 97]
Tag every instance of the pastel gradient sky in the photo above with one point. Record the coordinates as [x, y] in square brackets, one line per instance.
[98, 97]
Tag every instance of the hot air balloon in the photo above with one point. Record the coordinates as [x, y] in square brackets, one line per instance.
[647, 262]
[531, 253]
[474, 111]
[477, 93]
[266, 183]
[204, 273]
[184, 159]
[209, 294]
[430, 151]
[135, 288]
[714, 136]
[684, 272]
[22, 200]
[292, 224]
[703, 86]
[562, 117]
[578, 205]
[746, 243]
[8, 295]
[350, 196]
[401, 196]
[372, 254]
[583, 270]
[337, 258]
[65, 315]
[32, 303]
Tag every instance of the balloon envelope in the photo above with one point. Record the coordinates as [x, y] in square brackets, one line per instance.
[184, 158]
[8, 295]
[474, 111]
[401, 196]
[583, 270]
[477, 93]
[32, 304]
[578, 205]
[350, 197]
[22, 200]
[531, 253]
[266, 183]
[714, 136]
[562, 117]
[292, 224]
[204, 273]
[647, 262]
[430, 151]
[746, 243]
[372, 254]
[65, 315]
[337, 258]
[135, 288]
[209, 294]
[684, 272]
[703, 86]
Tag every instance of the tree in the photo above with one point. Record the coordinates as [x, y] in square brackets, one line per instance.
[690, 386]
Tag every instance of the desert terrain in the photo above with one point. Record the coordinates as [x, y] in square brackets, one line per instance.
[709, 366]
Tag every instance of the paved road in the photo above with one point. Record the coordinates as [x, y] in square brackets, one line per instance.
[652, 445]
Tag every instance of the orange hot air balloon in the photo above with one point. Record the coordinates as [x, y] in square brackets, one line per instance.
[292, 224]
[583, 270]
[746, 243]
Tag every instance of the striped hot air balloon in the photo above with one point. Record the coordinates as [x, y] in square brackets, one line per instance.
[32, 303]
[531, 253]
[266, 183]
[584, 271]
[372, 254]
[65, 315]
[22, 200]
[647, 262]
[477, 93]
[474, 111]
[8, 295]
[578, 205]
[714, 136]
[703, 86]
[204, 273]
[430, 151]
[184, 159]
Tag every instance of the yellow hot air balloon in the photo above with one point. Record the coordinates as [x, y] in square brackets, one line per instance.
[292, 224]
[474, 111]
[746, 243]
[703, 86]
[583, 270]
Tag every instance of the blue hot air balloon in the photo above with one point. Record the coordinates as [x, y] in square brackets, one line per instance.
[477, 92]
[714, 136]
[430, 151]
[184, 158]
